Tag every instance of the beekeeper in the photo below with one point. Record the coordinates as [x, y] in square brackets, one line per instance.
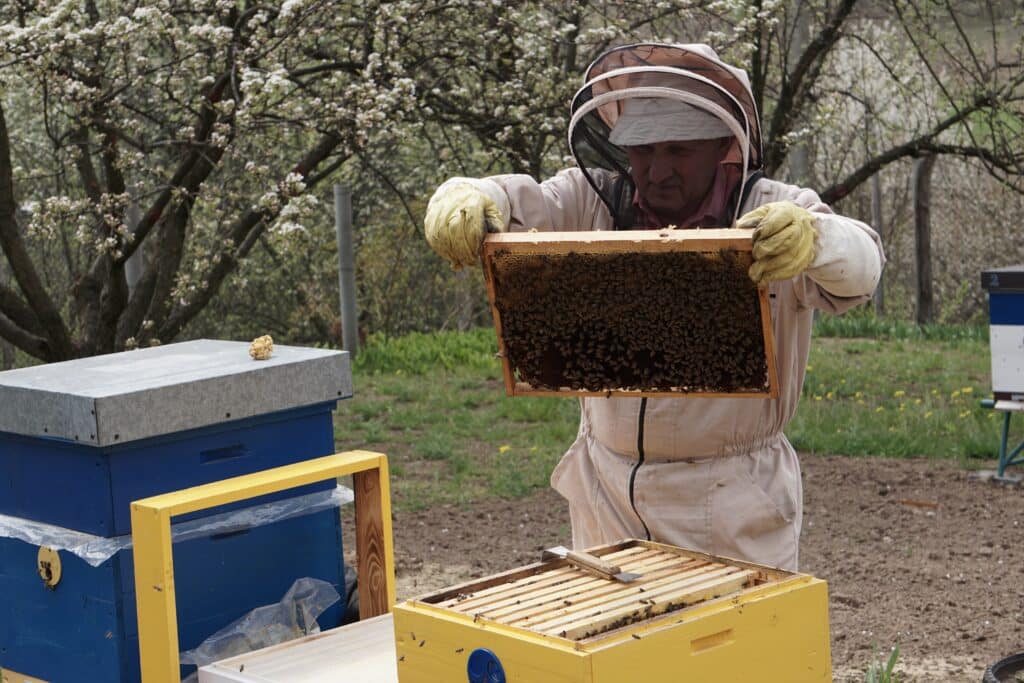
[668, 135]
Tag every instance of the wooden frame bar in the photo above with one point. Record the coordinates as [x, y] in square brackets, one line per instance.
[154, 565]
[629, 241]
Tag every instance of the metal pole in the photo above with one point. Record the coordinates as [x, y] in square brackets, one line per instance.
[346, 267]
[136, 262]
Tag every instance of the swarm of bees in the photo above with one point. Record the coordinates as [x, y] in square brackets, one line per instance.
[678, 321]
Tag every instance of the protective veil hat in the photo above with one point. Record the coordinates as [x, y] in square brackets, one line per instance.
[648, 120]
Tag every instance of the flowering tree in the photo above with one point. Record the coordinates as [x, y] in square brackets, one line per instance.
[214, 120]
[152, 151]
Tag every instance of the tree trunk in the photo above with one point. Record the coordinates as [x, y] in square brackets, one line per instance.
[923, 167]
[876, 223]
[799, 156]
[6, 355]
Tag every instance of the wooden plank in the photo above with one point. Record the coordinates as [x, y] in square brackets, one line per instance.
[363, 652]
[769, 341]
[699, 593]
[591, 594]
[564, 572]
[605, 241]
[506, 366]
[527, 389]
[372, 532]
[665, 586]
[561, 591]
[511, 575]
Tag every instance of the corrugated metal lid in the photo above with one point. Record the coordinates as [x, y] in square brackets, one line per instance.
[1008, 279]
[119, 397]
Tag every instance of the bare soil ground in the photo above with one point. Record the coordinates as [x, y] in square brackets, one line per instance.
[917, 553]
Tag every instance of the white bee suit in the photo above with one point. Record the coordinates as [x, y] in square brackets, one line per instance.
[712, 474]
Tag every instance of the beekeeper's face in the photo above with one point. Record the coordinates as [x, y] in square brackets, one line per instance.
[674, 177]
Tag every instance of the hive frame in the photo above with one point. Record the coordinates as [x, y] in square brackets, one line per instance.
[154, 562]
[626, 241]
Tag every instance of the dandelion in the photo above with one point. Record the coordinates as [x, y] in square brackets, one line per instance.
[967, 390]
[879, 409]
[504, 448]
[860, 401]
[898, 393]
[964, 414]
[817, 398]
[955, 394]
[809, 368]
[829, 396]
[917, 401]
[858, 395]
[928, 414]
[533, 449]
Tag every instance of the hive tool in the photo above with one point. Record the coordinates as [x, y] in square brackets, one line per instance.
[590, 562]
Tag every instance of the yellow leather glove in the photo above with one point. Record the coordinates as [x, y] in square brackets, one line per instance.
[458, 217]
[784, 236]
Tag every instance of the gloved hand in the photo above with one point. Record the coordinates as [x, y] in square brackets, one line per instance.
[784, 236]
[458, 217]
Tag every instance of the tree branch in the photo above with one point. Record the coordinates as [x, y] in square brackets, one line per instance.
[798, 83]
[57, 345]
[242, 235]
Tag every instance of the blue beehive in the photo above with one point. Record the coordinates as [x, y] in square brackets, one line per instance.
[82, 439]
[1006, 330]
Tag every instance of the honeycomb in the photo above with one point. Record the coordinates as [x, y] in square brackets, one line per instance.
[676, 321]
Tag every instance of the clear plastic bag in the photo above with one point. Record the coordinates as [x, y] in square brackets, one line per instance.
[98, 549]
[294, 616]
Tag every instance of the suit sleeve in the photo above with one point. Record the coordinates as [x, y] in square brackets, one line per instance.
[848, 256]
[563, 202]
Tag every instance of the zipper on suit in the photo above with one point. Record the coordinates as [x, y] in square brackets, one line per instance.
[639, 462]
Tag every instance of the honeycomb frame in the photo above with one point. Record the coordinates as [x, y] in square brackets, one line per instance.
[647, 274]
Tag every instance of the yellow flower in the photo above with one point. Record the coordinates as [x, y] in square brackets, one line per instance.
[533, 449]
[917, 401]
[928, 414]
[898, 393]
[879, 409]
[817, 398]
[858, 395]
[829, 396]
[504, 448]
[809, 368]
[860, 401]
[964, 414]
[968, 390]
[955, 394]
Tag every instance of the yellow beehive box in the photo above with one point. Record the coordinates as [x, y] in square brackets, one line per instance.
[689, 617]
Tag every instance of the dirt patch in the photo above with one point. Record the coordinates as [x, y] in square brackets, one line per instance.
[917, 553]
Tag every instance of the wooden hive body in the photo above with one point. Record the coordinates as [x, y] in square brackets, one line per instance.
[690, 616]
[634, 313]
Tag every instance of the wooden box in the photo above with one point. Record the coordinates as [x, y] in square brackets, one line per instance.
[630, 313]
[690, 617]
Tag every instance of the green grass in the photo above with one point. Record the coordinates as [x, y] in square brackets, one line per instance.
[435, 403]
[896, 397]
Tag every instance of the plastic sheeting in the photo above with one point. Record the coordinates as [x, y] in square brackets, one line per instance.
[294, 616]
[96, 550]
